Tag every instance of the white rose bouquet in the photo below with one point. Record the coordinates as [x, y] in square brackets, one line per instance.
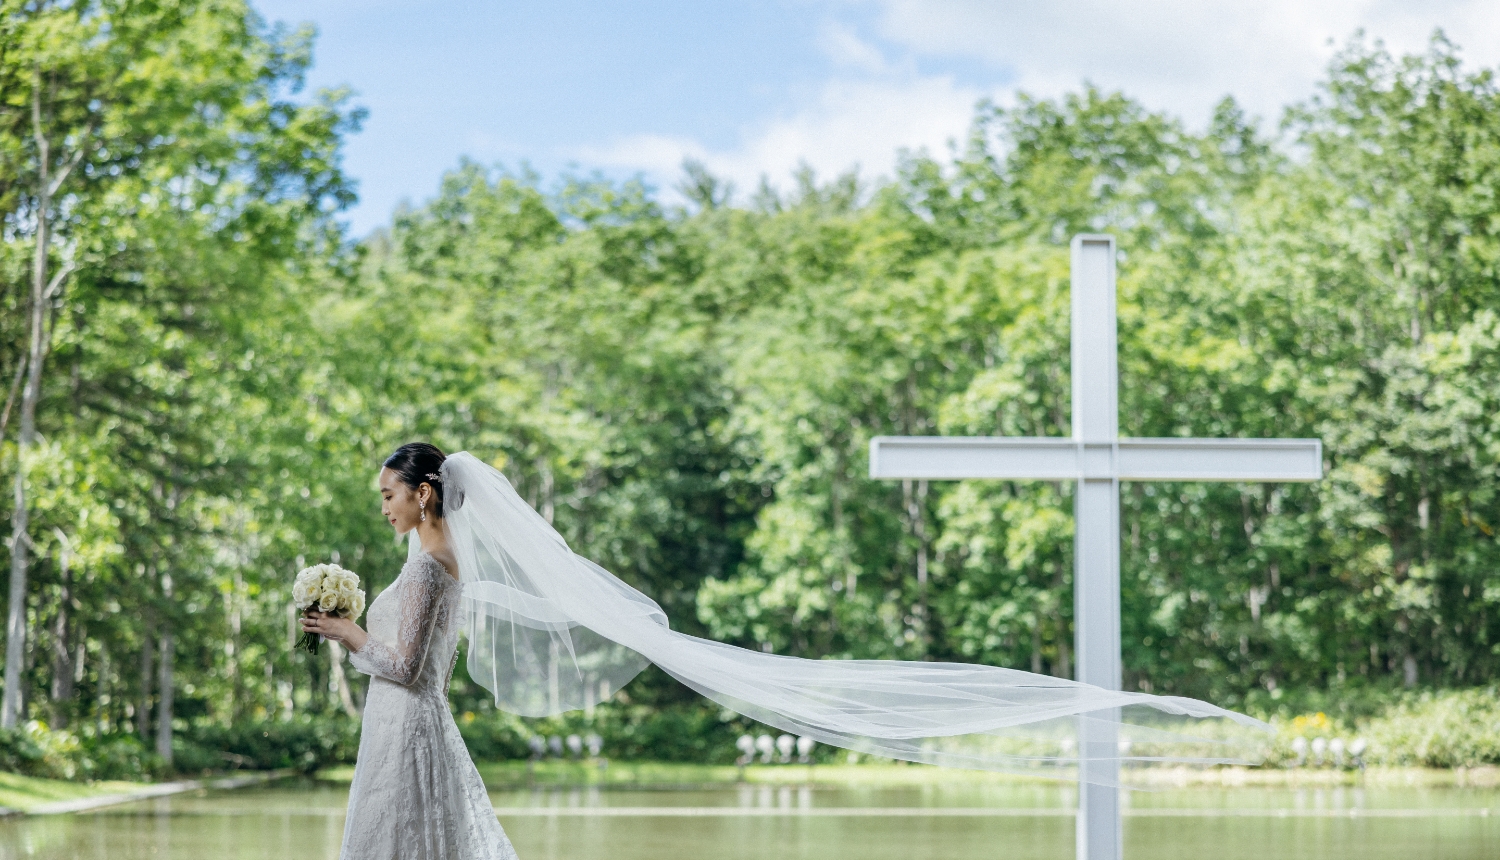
[327, 588]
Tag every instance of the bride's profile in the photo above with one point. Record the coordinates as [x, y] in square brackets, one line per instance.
[416, 793]
[550, 631]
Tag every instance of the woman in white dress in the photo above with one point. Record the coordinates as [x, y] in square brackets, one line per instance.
[416, 794]
[550, 631]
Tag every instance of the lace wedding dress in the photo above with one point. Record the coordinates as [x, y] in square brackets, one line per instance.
[416, 794]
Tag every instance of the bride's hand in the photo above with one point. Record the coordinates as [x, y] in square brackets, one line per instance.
[335, 628]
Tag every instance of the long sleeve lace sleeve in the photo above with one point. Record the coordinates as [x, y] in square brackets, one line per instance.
[419, 610]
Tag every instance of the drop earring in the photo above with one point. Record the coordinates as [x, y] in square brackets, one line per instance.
[422, 506]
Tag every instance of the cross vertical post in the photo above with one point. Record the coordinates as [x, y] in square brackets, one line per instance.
[1096, 520]
[1098, 459]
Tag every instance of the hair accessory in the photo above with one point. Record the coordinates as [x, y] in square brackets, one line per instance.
[435, 477]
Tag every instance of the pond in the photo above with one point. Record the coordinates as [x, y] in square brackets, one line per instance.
[304, 820]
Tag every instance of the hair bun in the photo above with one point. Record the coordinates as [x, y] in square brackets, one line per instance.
[416, 463]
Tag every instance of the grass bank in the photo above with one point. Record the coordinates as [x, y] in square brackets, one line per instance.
[25, 793]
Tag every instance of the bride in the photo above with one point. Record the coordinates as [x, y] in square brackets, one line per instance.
[549, 631]
[416, 793]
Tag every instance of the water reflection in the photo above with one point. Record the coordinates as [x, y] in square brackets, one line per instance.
[752, 822]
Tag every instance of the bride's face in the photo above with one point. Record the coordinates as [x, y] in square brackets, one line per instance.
[399, 503]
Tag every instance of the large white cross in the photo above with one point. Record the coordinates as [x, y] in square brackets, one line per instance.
[1098, 459]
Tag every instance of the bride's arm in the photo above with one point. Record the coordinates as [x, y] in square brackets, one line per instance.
[402, 663]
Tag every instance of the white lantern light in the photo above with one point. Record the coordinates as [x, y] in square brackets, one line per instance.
[805, 747]
[766, 747]
[784, 746]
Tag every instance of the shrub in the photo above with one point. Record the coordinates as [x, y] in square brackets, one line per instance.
[1453, 728]
[494, 737]
[36, 750]
[699, 733]
[121, 757]
[305, 742]
[19, 753]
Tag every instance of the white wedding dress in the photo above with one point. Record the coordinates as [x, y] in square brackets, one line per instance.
[416, 793]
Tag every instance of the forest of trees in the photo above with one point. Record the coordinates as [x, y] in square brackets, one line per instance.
[202, 371]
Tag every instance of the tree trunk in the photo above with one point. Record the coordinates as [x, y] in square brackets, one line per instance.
[547, 504]
[1063, 668]
[233, 646]
[164, 682]
[62, 652]
[914, 499]
[1036, 648]
[143, 710]
[15, 626]
[164, 701]
[102, 690]
[340, 679]
[10, 399]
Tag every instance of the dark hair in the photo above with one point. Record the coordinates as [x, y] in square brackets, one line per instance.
[418, 463]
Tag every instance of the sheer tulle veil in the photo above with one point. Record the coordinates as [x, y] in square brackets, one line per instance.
[550, 631]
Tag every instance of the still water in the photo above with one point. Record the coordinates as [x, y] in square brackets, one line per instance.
[1017, 822]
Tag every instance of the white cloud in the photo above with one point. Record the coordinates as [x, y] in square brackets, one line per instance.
[845, 48]
[860, 118]
[1180, 56]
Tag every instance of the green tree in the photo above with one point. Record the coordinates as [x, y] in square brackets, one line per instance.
[158, 162]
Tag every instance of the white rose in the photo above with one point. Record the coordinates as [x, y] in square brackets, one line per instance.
[307, 588]
[328, 602]
[357, 604]
[345, 584]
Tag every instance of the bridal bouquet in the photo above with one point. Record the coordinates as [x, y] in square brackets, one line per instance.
[327, 588]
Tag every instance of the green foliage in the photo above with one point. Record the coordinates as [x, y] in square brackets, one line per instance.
[688, 394]
[199, 190]
[36, 750]
[19, 753]
[696, 732]
[495, 737]
[1459, 729]
[306, 743]
[1439, 729]
[124, 757]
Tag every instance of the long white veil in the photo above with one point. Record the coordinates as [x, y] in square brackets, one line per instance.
[550, 631]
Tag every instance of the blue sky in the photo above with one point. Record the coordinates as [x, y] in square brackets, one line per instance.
[753, 89]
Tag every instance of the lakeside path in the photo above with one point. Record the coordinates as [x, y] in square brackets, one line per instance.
[110, 794]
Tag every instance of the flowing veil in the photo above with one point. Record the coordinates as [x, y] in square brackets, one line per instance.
[550, 631]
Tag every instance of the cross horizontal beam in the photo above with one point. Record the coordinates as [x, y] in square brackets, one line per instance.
[1045, 458]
